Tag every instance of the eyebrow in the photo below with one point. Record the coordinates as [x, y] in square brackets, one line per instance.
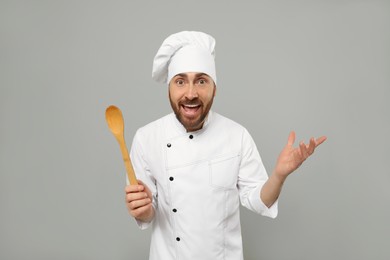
[200, 75]
[197, 75]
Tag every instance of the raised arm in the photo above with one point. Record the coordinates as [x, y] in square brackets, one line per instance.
[288, 161]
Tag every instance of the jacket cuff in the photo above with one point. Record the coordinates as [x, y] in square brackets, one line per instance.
[143, 225]
[259, 206]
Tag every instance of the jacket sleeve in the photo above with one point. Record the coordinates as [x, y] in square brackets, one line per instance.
[142, 172]
[251, 178]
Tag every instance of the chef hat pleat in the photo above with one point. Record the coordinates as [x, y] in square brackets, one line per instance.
[182, 52]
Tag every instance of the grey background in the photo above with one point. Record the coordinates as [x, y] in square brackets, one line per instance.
[318, 67]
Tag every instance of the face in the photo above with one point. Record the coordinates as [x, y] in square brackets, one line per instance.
[191, 95]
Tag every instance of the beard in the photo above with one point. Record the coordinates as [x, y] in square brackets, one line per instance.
[191, 123]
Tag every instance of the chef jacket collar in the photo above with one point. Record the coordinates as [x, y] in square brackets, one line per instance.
[206, 123]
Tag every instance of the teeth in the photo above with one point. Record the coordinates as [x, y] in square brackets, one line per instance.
[191, 105]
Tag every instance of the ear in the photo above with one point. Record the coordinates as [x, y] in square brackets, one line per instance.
[169, 91]
[215, 90]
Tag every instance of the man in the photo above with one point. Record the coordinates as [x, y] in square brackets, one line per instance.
[195, 165]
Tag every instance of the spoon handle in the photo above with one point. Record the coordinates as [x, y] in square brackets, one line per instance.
[127, 161]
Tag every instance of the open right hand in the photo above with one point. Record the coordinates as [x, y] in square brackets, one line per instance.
[139, 202]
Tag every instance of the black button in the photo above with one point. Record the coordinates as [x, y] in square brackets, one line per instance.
[171, 178]
[191, 136]
[174, 210]
[178, 239]
[169, 145]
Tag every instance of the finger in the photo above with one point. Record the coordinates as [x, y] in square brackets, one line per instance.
[134, 188]
[135, 204]
[320, 140]
[147, 190]
[135, 196]
[304, 151]
[291, 138]
[141, 182]
[140, 211]
[311, 146]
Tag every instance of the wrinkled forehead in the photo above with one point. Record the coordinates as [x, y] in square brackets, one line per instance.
[192, 75]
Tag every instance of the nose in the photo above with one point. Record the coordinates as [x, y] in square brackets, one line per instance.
[192, 92]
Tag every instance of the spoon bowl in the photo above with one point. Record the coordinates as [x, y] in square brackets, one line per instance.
[114, 120]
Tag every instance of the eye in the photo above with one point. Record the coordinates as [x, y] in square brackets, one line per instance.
[180, 82]
[202, 81]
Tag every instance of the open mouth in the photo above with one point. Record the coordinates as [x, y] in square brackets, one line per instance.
[190, 109]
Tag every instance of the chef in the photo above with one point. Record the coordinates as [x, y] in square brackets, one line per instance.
[195, 166]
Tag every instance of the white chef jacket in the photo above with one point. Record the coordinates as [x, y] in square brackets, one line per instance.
[197, 180]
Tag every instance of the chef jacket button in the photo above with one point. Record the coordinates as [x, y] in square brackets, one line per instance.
[178, 239]
[174, 210]
[169, 145]
[191, 136]
[171, 178]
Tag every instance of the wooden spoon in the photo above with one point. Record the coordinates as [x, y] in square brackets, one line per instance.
[115, 122]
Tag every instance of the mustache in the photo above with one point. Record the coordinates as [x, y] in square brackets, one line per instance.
[191, 102]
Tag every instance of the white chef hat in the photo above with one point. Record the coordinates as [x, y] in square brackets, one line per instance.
[183, 52]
